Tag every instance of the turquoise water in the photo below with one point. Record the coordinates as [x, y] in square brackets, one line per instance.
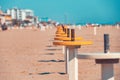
[71, 11]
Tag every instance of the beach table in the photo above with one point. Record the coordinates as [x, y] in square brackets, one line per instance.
[106, 59]
[71, 54]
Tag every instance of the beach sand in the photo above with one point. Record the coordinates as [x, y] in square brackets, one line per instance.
[29, 54]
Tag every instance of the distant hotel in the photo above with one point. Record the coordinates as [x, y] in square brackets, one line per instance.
[20, 14]
[25, 15]
[23, 18]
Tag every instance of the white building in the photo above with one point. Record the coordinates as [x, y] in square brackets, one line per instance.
[20, 14]
[15, 13]
[5, 18]
[23, 15]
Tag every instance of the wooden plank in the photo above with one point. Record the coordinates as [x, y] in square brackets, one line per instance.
[73, 63]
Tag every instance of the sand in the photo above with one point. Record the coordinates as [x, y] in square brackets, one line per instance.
[29, 54]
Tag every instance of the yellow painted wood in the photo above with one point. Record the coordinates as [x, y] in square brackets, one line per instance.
[60, 32]
[67, 39]
[62, 35]
[72, 43]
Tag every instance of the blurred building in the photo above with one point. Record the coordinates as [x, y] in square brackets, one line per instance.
[19, 14]
[24, 15]
[5, 18]
[44, 19]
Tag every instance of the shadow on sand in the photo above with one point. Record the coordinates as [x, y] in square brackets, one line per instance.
[53, 49]
[49, 53]
[50, 60]
[46, 73]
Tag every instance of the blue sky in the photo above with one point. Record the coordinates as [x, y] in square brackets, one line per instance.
[71, 11]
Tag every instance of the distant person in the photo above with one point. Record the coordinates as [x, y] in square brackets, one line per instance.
[0, 22]
[4, 27]
[38, 25]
